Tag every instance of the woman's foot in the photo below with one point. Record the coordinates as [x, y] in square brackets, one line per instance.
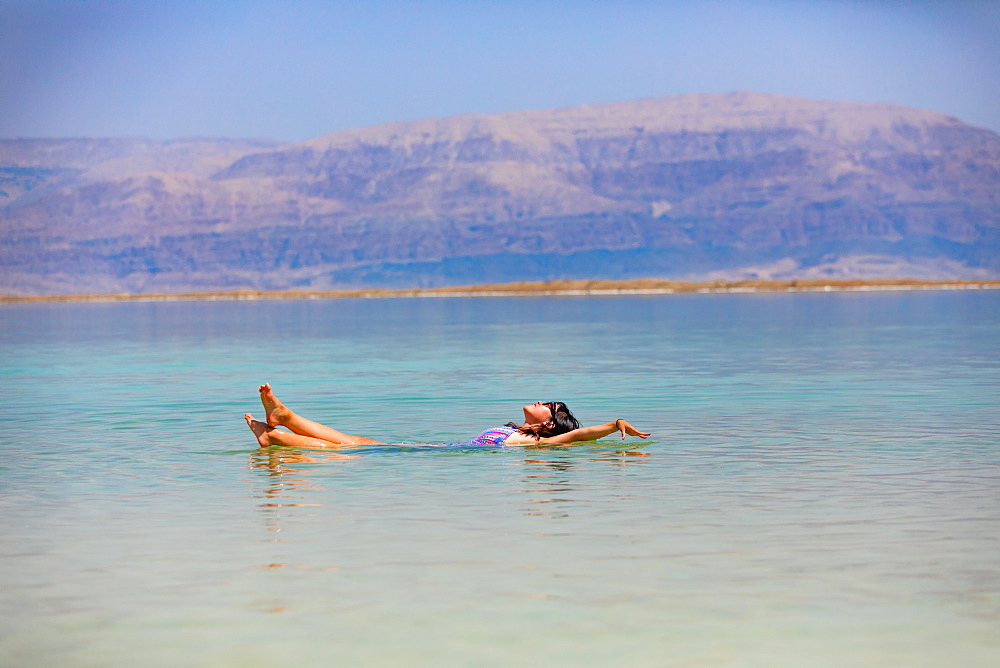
[259, 429]
[275, 412]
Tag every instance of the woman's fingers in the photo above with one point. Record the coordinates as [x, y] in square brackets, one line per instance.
[632, 431]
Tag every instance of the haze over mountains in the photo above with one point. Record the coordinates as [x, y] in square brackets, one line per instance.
[695, 186]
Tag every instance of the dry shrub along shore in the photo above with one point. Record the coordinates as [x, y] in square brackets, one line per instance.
[541, 288]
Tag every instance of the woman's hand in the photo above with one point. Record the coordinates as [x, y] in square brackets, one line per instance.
[625, 428]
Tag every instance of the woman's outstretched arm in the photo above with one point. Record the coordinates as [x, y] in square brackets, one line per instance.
[596, 432]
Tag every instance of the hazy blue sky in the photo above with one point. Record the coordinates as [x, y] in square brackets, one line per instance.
[295, 70]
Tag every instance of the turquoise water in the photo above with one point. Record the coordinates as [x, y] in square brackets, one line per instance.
[822, 485]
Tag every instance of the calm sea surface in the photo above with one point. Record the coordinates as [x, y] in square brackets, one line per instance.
[822, 486]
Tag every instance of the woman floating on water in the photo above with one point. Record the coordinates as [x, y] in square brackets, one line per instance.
[543, 423]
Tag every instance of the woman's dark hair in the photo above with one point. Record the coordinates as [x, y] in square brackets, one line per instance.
[562, 421]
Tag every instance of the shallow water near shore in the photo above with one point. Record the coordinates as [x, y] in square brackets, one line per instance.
[822, 485]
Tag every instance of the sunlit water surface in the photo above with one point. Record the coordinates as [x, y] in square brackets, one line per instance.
[822, 486]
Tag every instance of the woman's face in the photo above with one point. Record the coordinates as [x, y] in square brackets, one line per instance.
[537, 413]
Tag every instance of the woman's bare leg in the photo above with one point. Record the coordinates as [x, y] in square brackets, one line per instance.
[268, 436]
[280, 414]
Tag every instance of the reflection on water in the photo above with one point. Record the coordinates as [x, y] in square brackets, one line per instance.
[549, 486]
[291, 479]
[550, 483]
[284, 481]
[287, 480]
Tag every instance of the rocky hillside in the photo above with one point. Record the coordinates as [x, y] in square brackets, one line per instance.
[711, 186]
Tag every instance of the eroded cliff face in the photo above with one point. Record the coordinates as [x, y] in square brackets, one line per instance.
[700, 185]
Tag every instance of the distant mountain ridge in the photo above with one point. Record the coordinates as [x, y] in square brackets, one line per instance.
[694, 186]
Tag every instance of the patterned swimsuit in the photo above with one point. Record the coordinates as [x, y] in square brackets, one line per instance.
[493, 437]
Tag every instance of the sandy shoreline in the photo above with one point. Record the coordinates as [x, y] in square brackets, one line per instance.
[564, 288]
